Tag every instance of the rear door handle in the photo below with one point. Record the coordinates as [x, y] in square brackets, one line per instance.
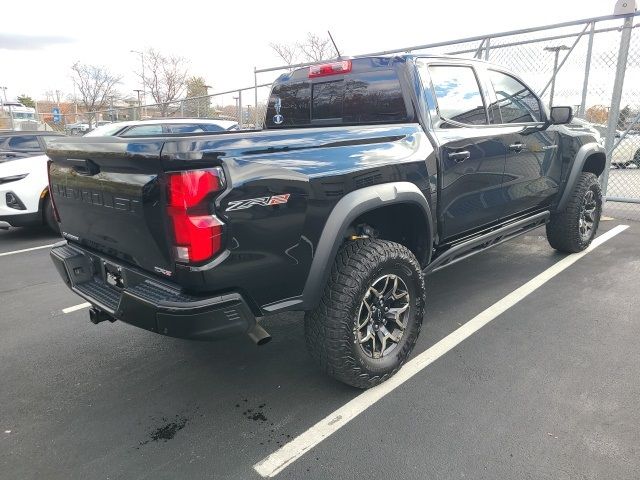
[460, 157]
[517, 147]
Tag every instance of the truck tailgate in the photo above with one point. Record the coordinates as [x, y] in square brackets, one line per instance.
[109, 197]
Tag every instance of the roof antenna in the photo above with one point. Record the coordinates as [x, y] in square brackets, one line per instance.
[334, 44]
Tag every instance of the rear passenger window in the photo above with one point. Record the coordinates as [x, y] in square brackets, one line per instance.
[458, 95]
[517, 104]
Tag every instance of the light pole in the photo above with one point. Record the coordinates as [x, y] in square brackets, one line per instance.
[4, 89]
[556, 51]
[144, 82]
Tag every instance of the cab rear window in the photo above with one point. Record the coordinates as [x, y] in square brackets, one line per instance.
[367, 97]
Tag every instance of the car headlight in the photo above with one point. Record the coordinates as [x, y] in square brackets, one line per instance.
[12, 178]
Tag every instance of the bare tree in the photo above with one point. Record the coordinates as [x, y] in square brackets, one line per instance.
[316, 48]
[166, 78]
[288, 53]
[96, 85]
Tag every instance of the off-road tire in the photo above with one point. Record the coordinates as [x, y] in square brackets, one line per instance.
[49, 216]
[330, 329]
[563, 229]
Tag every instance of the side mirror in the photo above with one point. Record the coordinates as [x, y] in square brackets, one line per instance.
[561, 115]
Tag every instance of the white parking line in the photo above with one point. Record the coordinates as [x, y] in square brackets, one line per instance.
[75, 308]
[289, 453]
[26, 250]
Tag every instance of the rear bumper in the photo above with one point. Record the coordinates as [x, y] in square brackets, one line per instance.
[148, 303]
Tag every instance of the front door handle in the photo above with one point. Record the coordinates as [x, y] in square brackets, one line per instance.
[517, 147]
[460, 157]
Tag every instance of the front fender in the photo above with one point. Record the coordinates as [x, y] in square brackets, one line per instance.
[590, 158]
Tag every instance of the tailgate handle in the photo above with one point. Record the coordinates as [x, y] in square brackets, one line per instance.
[84, 167]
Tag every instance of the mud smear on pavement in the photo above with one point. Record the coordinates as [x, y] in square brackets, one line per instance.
[167, 430]
[257, 414]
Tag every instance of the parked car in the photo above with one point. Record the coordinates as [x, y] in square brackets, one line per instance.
[370, 173]
[24, 194]
[627, 152]
[20, 144]
[164, 126]
[77, 128]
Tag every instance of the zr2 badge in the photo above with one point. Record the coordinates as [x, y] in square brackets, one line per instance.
[261, 202]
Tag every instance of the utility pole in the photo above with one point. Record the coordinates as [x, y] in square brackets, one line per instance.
[556, 51]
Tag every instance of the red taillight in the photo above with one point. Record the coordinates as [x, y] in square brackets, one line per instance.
[53, 202]
[197, 232]
[334, 68]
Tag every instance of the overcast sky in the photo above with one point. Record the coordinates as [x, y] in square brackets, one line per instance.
[40, 40]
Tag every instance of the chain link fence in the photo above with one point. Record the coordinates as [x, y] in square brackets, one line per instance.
[592, 65]
[245, 106]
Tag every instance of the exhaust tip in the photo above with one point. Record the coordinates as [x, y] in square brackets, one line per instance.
[259, 335]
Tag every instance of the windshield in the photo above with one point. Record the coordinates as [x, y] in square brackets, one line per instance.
[107, 130]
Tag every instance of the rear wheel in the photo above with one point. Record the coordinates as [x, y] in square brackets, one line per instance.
[370, 314]
[573, 229]
[636, 158]
[49, 216]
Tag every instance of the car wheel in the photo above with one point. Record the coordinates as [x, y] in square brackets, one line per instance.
[636, 158]
[573, 229]
[370, 314]
[49, 216]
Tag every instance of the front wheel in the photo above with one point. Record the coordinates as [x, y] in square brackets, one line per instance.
[370, 314]
[573, 229]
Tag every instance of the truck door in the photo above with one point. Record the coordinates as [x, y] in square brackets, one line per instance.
[472, 156]
[533, 169]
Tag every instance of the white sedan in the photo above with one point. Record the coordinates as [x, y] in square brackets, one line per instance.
[627, 153]
[24, 193]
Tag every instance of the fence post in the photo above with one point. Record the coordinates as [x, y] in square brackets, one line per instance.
[616, 98]
[587, 68]
[240, 110]
[182, 108]
[255, 98]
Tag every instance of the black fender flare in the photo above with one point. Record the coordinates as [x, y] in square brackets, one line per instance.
[350, 207]
[577, 168]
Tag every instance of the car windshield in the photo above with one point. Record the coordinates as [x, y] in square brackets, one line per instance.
[105, 130]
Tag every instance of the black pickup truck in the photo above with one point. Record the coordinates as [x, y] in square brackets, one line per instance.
[369, 174]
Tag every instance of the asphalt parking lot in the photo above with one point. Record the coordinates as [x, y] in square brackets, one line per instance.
[548, 389]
